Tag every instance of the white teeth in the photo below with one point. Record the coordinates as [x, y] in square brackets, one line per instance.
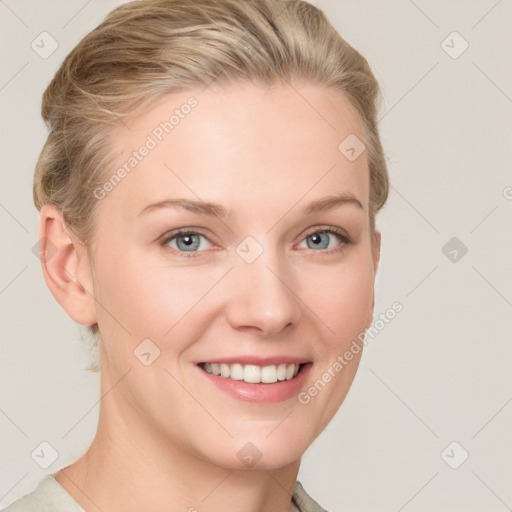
[268, 374]
[224, 370]
[253, 373]
[236, 371]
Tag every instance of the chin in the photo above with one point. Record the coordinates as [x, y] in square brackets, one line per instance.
[257, 452]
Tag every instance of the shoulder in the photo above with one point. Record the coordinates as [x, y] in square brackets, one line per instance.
[48, 496]
[303, 501]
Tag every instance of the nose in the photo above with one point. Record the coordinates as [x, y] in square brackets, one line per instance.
[262, 296]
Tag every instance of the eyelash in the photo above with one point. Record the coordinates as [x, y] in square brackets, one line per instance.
[344, 238]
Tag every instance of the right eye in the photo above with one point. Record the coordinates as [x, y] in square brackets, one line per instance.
[186, 241]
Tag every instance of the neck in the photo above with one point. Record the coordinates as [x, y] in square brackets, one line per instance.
[131, 467]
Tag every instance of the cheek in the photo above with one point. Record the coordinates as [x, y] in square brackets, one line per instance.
[148, 300]
[342, 297]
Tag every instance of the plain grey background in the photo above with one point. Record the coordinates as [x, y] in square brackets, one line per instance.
[434, 386]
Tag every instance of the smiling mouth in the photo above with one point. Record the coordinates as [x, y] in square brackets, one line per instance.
[254, 374]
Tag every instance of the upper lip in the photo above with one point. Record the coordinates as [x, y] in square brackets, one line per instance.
[257, 361]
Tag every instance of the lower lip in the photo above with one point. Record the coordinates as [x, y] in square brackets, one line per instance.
[261, 393]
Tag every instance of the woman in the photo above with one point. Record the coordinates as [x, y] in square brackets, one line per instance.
[207, 195]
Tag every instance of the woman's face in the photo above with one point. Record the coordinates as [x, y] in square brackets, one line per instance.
[263, 278]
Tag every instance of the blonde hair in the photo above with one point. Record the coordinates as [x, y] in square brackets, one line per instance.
[146, 49]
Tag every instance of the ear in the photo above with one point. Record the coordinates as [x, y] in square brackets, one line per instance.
[66, 266]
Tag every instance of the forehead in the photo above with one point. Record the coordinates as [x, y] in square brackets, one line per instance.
[241, 145]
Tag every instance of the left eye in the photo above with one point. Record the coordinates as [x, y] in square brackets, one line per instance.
[322, 239]
[187, 242]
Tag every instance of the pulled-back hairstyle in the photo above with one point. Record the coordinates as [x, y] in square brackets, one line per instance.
[146, 49]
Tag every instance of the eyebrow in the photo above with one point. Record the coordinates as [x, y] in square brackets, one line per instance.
[214, 209]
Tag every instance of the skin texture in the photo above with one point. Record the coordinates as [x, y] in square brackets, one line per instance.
[167, 438]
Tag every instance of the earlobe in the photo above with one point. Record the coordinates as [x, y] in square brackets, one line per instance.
[66, 267]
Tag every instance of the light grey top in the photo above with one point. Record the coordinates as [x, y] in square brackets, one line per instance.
[50, 496]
